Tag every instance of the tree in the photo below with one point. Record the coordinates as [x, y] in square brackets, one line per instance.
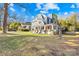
[1, 13]
[14, 17]
[5, 17]
[6, 14]
[73, 21]
[14, 26]
[54, 18]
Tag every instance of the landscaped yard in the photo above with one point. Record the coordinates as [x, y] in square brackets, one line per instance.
[27, 44]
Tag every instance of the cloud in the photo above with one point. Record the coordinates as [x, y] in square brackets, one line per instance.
[43, 11]
[38, 5]
[46, 6]
[63, 16]
[66, 13]
[50, 15]
[29, 17]
[12, 9]
[23, 9]
[49, 6]
[72, 12]
[77, 5]
[11, 4]
[32, 17]
[72, 6]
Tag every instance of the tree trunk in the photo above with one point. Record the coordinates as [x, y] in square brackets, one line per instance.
[5, 17]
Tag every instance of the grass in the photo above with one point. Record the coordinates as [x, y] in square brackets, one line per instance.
[24, 33]
[29, 44]
[31, 34]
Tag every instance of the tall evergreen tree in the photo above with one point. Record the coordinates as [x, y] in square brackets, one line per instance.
[54, 18]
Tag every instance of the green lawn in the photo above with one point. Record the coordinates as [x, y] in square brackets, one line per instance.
[24, 33]
[30, 34]
[29, 44]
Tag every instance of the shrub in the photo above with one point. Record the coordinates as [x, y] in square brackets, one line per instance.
[0, 28]
[14, 26]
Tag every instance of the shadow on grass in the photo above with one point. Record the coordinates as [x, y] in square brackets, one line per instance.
[20, 45]
[8, 34]
[71, 33]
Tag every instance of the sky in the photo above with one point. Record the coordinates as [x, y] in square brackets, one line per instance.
[29, 10]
